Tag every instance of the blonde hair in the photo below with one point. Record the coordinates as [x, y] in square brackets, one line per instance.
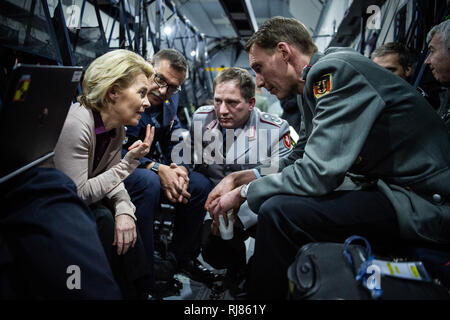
[117, 68]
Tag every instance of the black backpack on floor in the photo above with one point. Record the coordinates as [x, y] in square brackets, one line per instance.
[327, 271]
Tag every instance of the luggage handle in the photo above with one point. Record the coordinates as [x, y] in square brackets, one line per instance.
[349, 240]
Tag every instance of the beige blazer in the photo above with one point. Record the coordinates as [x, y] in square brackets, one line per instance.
[74, 155]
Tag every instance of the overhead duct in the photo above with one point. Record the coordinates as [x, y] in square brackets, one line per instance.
[241, 15]
[350, 26]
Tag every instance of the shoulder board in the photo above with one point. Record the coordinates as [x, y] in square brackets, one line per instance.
[205, 109]
[271, 119]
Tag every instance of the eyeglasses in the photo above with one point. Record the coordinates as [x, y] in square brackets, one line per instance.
[162, 84]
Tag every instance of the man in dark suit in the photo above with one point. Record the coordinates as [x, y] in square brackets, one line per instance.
[373, 157]
[160, 178]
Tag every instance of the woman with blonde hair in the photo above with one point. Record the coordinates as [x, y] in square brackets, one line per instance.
[114, 94]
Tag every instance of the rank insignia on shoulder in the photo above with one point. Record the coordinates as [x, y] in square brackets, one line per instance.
[205, 109]
[323, 86]
[269, 118]
[277, 121]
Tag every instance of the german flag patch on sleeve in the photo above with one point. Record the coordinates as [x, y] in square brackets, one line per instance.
[323, 86]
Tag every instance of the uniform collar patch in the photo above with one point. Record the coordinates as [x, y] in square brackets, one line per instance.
[211, 125]
[305, 71]
[324, 86]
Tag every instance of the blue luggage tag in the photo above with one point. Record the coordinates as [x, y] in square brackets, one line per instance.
[370, 276]
[368, 273]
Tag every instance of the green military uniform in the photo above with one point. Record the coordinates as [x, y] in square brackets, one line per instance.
[373, 159]
[362, 122]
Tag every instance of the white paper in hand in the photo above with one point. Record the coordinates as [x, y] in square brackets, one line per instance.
[226, 232]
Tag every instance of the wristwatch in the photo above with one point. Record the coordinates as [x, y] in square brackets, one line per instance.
[243, 191]
[155, 167]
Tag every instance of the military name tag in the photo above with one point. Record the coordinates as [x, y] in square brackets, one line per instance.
[323, 86]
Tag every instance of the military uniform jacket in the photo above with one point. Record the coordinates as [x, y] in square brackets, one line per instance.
[246, 143]
[245, 146]
[362, 121]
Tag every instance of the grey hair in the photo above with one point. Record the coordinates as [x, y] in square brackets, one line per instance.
[444, 30]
